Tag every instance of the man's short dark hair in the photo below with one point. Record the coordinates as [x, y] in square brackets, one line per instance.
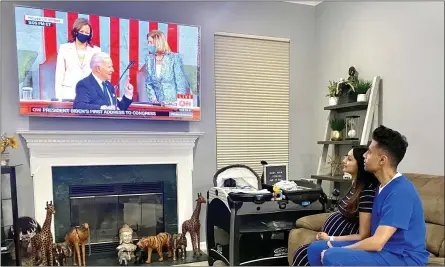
[392, 142]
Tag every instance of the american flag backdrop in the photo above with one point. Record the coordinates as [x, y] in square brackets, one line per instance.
[123, 39]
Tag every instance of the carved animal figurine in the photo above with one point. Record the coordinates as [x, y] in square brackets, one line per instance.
[193, 226]
[78, 236]
[61, 252]
[157, 243]
[27, 228]
[139, 254]
[124, 257]
[42, 242]
[179, 244]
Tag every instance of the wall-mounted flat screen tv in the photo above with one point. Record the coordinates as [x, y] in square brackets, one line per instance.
[85, 65]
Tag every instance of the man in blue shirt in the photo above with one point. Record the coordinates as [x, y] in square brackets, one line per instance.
[398, 230]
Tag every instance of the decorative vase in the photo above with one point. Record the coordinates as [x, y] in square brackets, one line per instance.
[362, 97]
[333, 101]
[336, 135]
[4, 159]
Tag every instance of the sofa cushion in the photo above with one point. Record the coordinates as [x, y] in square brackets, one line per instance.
[436, 261]
[442, 249]
[313, 222]
[434, 238]
[431, 191]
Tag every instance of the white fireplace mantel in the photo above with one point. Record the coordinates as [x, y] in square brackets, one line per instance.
[82, 148]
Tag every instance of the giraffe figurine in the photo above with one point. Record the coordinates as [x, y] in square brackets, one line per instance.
[193, 226]
[42, 242]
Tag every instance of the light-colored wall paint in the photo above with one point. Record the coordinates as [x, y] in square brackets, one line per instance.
[403, 43]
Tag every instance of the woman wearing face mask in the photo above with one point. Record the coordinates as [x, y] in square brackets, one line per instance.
[165, 76]
[73, 59]
[352, 220]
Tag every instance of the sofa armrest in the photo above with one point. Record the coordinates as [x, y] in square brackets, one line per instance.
[312, 222]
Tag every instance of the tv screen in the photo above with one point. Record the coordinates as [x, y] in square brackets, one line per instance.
[84, 65]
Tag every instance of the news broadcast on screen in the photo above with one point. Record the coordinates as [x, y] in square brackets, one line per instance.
[84, 65]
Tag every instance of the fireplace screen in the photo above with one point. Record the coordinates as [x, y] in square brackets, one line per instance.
[106, 212]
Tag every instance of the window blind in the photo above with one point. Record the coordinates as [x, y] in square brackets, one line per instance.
[252, 100]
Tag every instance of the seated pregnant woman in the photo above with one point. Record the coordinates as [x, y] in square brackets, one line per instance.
[352, 220]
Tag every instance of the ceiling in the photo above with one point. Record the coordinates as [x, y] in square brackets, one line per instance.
[310, 3]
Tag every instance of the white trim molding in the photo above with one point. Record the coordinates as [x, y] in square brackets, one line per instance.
[309, 3]
[79, 148]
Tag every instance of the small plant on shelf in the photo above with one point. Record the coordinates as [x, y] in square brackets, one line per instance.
[337, 127]
[362, 88]
[7, 141]
[336, 165]
[333, 93]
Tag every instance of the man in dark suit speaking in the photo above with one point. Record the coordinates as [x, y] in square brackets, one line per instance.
[96, 91]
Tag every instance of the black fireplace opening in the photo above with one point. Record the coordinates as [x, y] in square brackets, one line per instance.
[107, 207]
[107, 196]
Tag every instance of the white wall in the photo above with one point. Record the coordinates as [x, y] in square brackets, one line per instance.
[403, 43]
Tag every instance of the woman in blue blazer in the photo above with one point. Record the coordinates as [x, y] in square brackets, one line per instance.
[165, 77]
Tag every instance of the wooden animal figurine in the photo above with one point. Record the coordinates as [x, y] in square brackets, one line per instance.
[27, 228]
[193, 226]
[78, 236]
[157, 243]
[42, 242]
[179, 244]
[61, 252]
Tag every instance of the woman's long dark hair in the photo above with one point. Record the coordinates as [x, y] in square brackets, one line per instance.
[364, 179]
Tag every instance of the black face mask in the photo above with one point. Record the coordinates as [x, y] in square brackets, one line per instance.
[83, 37]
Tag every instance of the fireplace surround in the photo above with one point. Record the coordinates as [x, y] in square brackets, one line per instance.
[49, 149]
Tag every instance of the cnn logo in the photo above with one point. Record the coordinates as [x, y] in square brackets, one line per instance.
[184, 101]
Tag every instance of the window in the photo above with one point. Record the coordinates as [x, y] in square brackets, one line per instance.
[252, 100]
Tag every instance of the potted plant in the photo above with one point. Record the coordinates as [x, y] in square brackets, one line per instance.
[334, 93]
[7, 141]
[362, 88]
[336, 164]
[337, 126]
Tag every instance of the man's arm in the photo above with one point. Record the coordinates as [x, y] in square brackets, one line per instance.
[124, 103]
[127, 98]
[83, 99]
[364, 228]
[376, 242]
[396, 211]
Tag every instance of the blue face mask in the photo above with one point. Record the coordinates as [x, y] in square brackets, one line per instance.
[152, 49]
[83, 37]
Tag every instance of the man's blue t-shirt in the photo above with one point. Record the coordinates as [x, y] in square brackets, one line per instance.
[399, 205]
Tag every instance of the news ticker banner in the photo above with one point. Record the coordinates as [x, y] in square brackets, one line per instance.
[120, 113]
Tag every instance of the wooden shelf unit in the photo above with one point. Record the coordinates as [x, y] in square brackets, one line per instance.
[371, 122]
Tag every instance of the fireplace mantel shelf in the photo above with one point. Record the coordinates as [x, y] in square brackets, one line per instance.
[48, 149]
[50, 137]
